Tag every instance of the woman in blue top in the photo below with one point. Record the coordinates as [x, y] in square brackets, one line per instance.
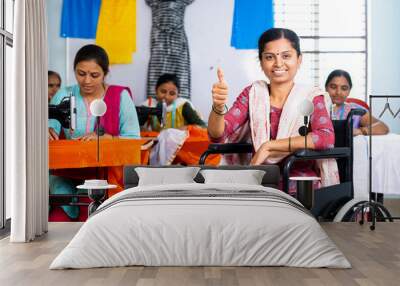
[338, 85]
[91, 65]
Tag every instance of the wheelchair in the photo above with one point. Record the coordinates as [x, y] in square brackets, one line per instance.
[332, 203]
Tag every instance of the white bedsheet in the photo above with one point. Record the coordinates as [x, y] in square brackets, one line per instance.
[385, 165]
[188, 231]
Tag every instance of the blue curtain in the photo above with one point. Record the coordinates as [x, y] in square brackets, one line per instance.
[250, 20]
[79, 18]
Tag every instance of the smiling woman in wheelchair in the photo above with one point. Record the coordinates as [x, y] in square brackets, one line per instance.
[266, 114]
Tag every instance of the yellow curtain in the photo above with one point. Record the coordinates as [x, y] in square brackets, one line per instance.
[116, 30]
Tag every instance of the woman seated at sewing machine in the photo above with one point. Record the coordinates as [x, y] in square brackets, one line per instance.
[91, 65]
[338, 85]
[179, 111]
[53, 83]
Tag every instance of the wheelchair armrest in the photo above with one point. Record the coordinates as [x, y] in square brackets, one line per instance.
[225, 148]
[307, 154]
[356, 111]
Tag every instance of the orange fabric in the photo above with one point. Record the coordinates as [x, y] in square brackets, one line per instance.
[76, 159]
[115, 176]
[64, 154]
[145, 155]
[196, 144]
[144, 158]
[151, 134]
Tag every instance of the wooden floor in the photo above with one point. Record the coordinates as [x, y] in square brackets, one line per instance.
[374, 255]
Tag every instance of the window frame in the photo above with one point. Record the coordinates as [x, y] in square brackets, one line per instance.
[315, 64]
[6, 39]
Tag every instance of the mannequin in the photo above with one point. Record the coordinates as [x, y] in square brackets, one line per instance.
[169, 48]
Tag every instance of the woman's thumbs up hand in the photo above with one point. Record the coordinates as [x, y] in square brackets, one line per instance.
[220, 75]
[220, 91]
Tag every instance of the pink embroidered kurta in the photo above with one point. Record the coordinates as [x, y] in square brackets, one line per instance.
[321, 130]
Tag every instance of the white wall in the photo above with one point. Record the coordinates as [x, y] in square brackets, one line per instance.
[385, 56]
[208, 26]
[57, 45]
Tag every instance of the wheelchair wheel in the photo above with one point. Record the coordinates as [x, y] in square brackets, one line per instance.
[360, 212]
[332, 209]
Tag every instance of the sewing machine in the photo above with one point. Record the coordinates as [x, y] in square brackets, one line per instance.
[144, 112]
[64, 112]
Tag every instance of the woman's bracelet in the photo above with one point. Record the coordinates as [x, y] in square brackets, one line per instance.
[216, 111]
[290, 146]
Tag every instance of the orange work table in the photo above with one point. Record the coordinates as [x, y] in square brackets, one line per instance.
[114, 154]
